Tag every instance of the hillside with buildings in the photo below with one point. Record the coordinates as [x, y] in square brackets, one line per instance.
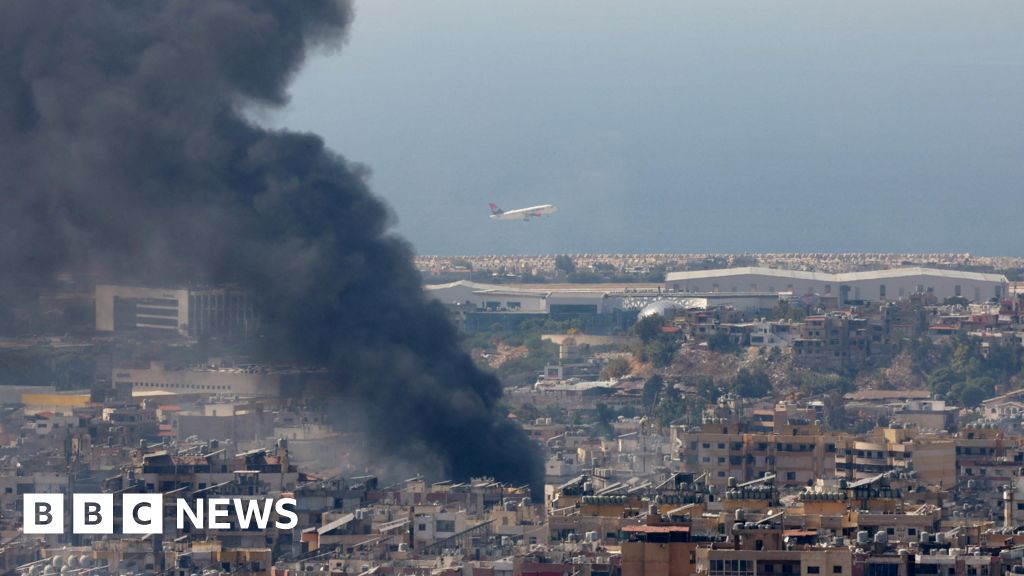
[719, 422]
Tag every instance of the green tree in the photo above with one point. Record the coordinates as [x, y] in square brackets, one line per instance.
[603, 416]
[973, 394]
[565, 263]
[648, 328]
[752, 384]
[670, 408]
[660, 351]
[720, 342]
[943, 380]
[652, 390]
[706, 387]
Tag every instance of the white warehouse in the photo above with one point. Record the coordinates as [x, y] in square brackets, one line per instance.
[875, 285]
[541, 300]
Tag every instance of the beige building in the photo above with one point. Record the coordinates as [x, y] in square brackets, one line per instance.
[796, 452]
[931, 456]
[181, 311]
[247, 380]
[808, 562]
[658, 551]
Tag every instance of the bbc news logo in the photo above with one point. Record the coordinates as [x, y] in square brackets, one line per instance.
[144, 513]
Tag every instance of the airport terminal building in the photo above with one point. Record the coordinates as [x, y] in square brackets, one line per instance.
[874, 285]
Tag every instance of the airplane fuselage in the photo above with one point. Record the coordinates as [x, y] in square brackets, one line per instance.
[524, 213]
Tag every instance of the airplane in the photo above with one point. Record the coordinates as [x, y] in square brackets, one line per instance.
[525, 214]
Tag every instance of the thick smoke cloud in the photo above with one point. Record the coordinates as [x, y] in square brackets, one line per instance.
[123, 152]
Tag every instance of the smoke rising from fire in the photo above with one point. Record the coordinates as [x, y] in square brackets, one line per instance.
[124, 152]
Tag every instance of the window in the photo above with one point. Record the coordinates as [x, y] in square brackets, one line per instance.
[890, 531]
[879, 569]
[957, 291]
[911, 531]
[813, 570]
[881, 291]
[837, 569]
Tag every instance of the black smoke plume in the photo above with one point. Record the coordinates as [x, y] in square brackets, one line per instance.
[124, 152]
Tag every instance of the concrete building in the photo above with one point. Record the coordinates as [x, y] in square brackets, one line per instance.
[183, 311]
[796, 452]
[836, 339]
[659, 551]
[726, 562]
[246, 380]
[876, 285]
[934, 414]
[473, 296]
[931, 457]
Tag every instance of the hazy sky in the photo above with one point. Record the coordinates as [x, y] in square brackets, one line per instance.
[669, 125]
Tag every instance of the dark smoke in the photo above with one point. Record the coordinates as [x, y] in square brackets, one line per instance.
[124, 153]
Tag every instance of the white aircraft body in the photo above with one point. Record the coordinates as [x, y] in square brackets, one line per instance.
[524, 214]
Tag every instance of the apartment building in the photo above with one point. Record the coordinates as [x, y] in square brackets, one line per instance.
[796, 452]
[837, 339]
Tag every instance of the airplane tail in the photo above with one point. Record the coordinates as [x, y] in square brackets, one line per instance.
[495, 209]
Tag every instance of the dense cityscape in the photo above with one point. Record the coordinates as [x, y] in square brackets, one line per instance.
[732, 421]
[532, 288]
